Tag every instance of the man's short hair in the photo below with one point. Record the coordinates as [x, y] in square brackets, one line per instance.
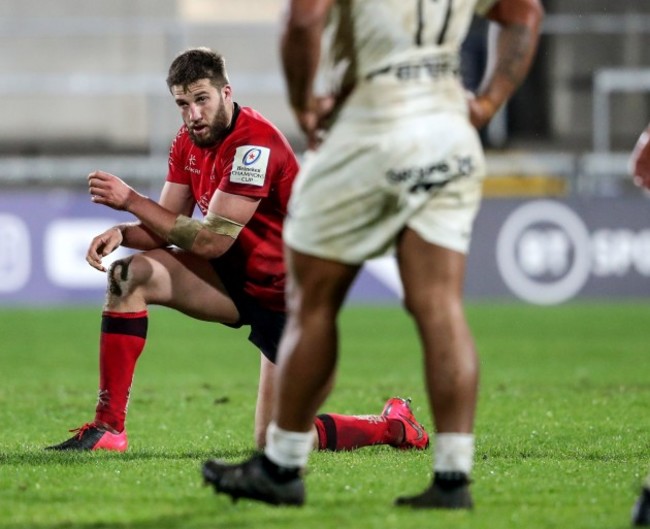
[195, 64]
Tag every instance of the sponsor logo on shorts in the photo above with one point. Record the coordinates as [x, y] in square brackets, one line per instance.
[431, 177]
[249, 165]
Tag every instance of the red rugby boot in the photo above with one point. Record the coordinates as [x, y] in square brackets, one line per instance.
[91, 437]
[415, 436]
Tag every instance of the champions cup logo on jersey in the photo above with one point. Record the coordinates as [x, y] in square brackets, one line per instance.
[252, 156]
[249, 165]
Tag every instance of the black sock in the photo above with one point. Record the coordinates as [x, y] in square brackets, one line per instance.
[450, 480]
[279, 473]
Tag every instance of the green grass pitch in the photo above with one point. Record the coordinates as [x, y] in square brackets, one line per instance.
[563, 425]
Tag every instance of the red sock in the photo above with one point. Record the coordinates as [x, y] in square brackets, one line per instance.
[122, 340]
[347, 432]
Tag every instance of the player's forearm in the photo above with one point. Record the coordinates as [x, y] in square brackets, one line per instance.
[138, 237]
[155, 222]
[300, 51]
[512, 47]
[206, 239]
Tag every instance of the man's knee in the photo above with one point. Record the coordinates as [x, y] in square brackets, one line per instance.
[411, 303]
[125, 275]
[422, 301]
[439, 303]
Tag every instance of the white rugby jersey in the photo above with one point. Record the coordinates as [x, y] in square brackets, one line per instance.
[409, 47]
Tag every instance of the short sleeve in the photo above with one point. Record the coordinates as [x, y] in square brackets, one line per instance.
[249, 169]
[483, 6]
[176, 173]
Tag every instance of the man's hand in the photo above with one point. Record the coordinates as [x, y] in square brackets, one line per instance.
[101, 246]
[109, 190]
[313, 121]
[481, 110]
[640, 160]
[512, 42]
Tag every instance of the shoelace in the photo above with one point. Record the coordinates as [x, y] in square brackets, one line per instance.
[82, 429]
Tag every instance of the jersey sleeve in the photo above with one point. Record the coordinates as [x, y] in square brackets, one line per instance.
[483, 6]
[249, 168]
[176, 172]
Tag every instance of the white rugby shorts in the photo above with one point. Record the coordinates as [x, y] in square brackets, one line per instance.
[371, 179]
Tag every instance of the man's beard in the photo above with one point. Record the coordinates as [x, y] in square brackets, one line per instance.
[217, 129]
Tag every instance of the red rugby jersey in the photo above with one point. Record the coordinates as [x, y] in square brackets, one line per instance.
[253, 160]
